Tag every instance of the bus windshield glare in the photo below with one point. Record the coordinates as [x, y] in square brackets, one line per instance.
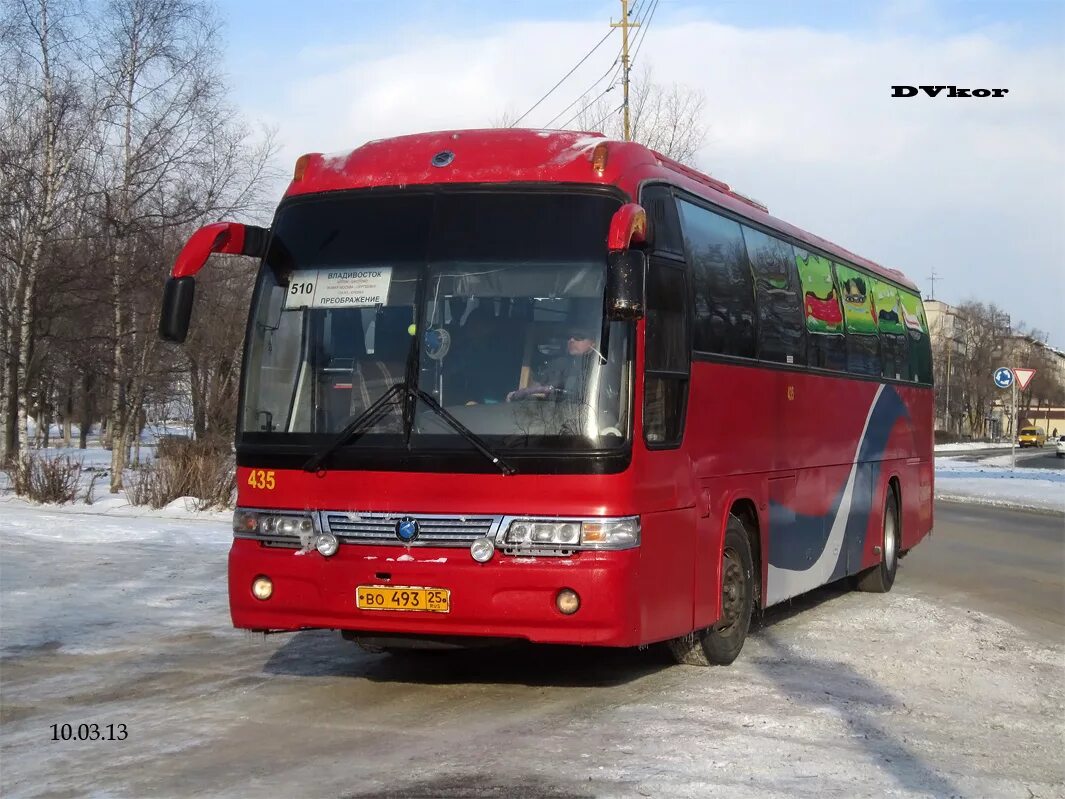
[489, 302]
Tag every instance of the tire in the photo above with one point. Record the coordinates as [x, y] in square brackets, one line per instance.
[721, 643]
[880, 578]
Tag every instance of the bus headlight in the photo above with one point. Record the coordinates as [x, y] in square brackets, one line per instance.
[272, 523]
[600, 533]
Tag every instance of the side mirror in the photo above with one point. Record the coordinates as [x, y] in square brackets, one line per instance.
[626, 277]
[177, 308]
[225, 237]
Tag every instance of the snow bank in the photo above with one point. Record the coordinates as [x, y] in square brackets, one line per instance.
[992, 482]
[971, 445]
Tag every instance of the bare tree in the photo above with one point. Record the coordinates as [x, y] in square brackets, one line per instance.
[986, 338]
[47, 118]
[668, 119]
[174, 155]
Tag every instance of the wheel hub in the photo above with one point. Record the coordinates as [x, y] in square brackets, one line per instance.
[733, 583]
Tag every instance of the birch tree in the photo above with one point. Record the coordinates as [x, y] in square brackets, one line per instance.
[177, 154]
[47, 122]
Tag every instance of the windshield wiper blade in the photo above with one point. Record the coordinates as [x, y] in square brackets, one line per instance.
[478, 442]
[359, 425]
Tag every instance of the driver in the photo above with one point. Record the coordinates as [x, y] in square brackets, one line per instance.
[567, 373]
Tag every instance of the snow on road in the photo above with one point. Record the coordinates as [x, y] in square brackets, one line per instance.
[115, 619]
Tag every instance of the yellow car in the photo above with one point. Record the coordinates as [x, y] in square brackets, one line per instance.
[1031, 437]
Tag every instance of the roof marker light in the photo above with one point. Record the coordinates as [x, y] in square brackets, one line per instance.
[599, 156]
[301, 167]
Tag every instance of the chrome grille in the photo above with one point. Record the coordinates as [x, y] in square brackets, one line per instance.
[433, 531]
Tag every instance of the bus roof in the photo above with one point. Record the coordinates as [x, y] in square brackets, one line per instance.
[508, 155]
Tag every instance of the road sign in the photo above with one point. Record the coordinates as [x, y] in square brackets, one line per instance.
[1024, 377]
[1003, 377]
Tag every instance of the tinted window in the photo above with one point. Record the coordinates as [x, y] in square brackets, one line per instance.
[780, 316]
[894, 353]
[662, 215]
[920, 347]
[665, 386]
[663, 409]
[826, 339]
[863, 338]
[723, 291]
[667, 338]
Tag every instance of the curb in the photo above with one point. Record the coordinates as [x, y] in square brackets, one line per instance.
[960, 499]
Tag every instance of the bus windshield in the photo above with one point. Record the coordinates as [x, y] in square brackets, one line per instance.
[489, 302]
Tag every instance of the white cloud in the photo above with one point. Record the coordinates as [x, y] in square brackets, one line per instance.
[800, 118]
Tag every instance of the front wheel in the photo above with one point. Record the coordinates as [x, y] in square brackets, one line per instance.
[721, 643]
[880, 578]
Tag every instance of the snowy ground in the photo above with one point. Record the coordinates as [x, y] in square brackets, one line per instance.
[115, 614]
[124, 620]
[991, 481]
[970, 446]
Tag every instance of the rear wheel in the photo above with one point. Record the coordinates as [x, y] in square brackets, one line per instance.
[880, 578]
[721, 643]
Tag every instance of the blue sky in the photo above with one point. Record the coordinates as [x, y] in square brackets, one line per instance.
[797, 99]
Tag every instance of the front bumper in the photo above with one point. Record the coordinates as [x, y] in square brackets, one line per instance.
[508, 597]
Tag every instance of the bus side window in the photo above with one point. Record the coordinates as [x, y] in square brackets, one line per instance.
[666, 355]
[920, 349]
[781, 324]
[827, 343]
[894, 353]
[723, 289]
[863, 338]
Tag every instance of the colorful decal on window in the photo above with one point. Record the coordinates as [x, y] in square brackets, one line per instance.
[820, 300]
[886, 306]
[913, 313]
[857, 300]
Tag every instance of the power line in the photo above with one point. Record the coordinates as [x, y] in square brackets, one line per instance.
[609, 88]
[607, 115]
[615, 65]
[643, 32]
[563, 80]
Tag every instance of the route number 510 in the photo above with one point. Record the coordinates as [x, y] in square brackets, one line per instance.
[262, 479]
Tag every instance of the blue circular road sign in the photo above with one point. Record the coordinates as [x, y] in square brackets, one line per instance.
[1003, 377]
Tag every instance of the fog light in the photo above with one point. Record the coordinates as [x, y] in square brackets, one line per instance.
[482, 550]
[326, 544]
[567, 601]
[262, 588]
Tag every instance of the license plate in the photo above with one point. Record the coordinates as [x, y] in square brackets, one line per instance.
[402, 597]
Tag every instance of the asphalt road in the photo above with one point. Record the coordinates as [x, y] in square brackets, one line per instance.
[1004, 562]
[838, 694]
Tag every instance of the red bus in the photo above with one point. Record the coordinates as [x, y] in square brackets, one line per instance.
[543, 386]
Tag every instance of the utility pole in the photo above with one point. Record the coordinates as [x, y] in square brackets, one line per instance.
[932, 284]
[625, 25]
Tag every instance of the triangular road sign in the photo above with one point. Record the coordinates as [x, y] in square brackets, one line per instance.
[1024, 377]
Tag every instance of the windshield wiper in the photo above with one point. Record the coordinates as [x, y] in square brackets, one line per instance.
[359, 425]
[368, 418]
[478, 442]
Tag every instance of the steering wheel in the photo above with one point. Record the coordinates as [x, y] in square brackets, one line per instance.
[541, 394]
